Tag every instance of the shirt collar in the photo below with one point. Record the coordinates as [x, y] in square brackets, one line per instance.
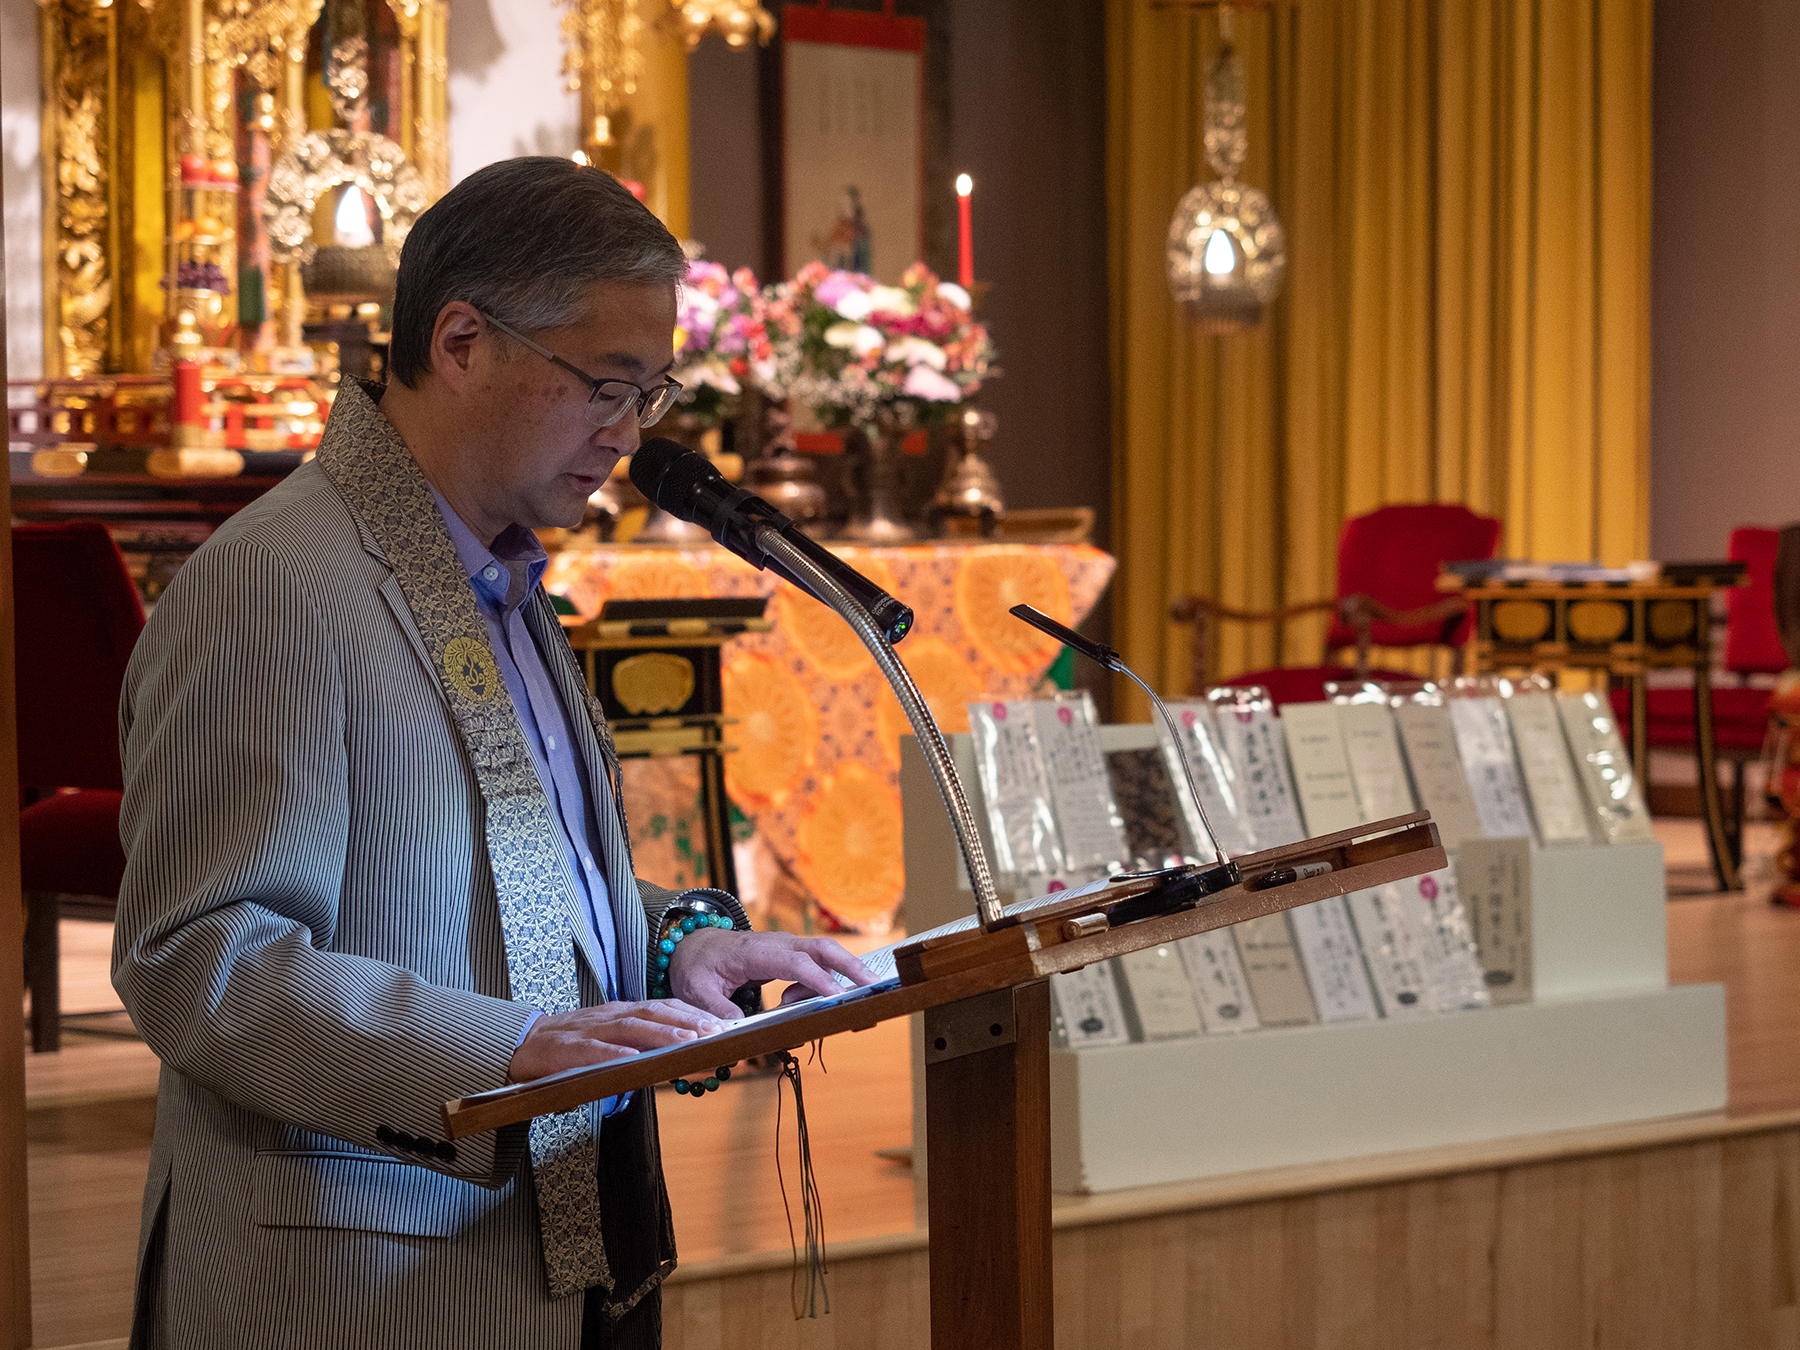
[505, 574]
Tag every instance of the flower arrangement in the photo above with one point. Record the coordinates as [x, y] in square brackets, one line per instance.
[721, 340]
[858, 353]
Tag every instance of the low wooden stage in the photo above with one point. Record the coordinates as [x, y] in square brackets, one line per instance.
[1680, 1233]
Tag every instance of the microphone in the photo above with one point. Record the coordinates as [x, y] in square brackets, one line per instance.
[685, 484]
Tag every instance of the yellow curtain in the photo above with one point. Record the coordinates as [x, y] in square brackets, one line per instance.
[1465, 186]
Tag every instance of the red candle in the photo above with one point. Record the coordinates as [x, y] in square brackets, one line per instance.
[965, 253]
[187, 393]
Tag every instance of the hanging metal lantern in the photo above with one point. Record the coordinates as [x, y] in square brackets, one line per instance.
[1227, 252]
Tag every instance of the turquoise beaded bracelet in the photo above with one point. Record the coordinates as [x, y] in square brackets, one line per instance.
[674, 933]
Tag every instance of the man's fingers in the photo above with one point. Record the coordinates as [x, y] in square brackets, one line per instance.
[802, 969]
[715, 1002]
[835, 956]
[676, 1013]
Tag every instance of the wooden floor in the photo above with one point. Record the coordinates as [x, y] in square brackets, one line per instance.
[1225, 1247]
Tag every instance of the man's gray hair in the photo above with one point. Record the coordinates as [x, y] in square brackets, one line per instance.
[523, 240]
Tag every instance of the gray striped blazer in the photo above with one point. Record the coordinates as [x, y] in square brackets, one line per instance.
[308, 937]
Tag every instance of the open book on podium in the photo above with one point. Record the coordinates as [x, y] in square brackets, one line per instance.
[1047, 936]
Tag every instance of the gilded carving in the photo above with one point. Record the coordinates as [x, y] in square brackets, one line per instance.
[80, 271]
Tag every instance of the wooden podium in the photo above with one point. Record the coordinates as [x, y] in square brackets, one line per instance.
[986, 1001]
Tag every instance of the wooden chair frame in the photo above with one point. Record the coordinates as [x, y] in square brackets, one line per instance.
[1361, 612]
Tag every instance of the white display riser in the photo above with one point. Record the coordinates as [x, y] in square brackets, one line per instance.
[1140, 1115]
[1597, 914]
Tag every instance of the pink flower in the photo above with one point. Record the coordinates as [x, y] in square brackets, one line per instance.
[836, 285]
[924, 382]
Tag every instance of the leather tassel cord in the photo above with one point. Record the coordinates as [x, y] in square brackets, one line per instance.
[816, 1297]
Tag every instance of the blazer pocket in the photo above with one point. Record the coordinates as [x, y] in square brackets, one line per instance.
[361, 1194]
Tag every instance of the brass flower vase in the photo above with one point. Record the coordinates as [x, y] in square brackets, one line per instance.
[875, 517]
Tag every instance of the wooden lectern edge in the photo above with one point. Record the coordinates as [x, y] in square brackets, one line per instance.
[1024, 962]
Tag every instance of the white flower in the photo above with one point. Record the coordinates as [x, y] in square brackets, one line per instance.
[924, 382]
[856, 306]
[956, 295]
[890, 300]
[713, 372]
[915, 351]
[858, 337]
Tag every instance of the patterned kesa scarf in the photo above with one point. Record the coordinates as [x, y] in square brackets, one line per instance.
[365, 458]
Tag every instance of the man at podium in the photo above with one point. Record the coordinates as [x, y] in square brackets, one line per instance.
[377, 854]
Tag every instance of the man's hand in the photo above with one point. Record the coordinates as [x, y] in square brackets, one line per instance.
[709, 963]
[611, 1031]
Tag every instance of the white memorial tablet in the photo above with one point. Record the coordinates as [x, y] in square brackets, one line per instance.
[1015, 790]
[1216, 777]
[1087, 1007]
[1446, 946]
[1272, 966]
[1494, 878]
[1221, 988]
[1253, 738]
[1315, 745]
[1556, 800]
[1391, 950]
[1333, 961]
[1485, 743]
[1604, 767]
[1372, 745]
[1087, 817]
[1437, 772]
[1160, 993]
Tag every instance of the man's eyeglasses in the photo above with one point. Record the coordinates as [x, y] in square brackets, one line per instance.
[608, 400]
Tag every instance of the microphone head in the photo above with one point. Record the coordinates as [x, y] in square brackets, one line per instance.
[651, 461]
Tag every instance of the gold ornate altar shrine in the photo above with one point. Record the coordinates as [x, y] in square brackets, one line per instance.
[168, 123]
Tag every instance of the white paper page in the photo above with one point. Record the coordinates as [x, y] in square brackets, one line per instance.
[1015, 790]
[1160, 993]
[1556, 800]
[1446, 944]
[1087, 1007]
[1391, 950]
[1087, 817]
[1333, 962]
[1494, 877]
[1485, 743]
[880, 962]
[1272, 966]
[1604, 767]
[1315, 745]
[1253, 739]
[1372, 745]
[1216, 777]
[1437, 772]
[1221, 988]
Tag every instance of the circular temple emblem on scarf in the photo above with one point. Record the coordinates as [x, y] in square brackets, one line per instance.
[470, 669]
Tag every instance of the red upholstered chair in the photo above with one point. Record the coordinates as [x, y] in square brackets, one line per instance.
[77, 616]
[1740, 713]
[1387, 596]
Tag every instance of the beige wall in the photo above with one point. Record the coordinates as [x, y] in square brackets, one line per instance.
[1725, 272]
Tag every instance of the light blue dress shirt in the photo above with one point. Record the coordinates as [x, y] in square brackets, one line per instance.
[503, 578]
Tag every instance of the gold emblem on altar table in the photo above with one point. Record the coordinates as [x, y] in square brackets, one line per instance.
[1521, 620]
[1595, 621]
[654, 682]
[1671, 620]
[470, 669]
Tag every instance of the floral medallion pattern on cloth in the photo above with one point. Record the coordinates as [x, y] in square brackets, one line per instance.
[818, 732]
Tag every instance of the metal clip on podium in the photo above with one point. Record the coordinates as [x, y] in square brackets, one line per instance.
[986, 1000]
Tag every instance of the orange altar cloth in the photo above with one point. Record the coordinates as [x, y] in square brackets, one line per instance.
[818, 735]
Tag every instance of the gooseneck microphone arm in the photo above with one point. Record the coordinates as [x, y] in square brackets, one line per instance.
[775, 544]
[1102, 654]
